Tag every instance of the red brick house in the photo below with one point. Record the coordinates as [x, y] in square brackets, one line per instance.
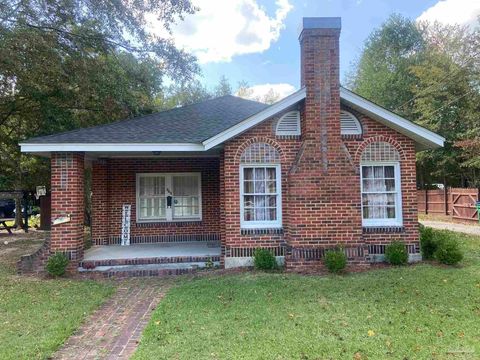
[320, 169]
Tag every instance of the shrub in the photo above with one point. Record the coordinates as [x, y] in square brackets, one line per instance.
[448, 252]
[396, 253]
[335, 260]
[428, 242]
[263, 259]
[57, 264]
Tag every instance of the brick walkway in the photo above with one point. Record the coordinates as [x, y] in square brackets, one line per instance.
[113, 331]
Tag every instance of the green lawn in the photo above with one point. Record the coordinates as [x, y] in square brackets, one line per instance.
[37, 316]
[415, 312]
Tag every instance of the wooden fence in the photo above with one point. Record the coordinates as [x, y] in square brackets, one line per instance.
[459, 203]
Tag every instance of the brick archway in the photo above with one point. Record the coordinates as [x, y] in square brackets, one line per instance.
[375, 139]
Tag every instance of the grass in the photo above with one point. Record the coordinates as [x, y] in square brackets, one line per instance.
[38, 315]
[416, 312]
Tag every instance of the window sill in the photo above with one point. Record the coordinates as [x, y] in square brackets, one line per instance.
[259, 231]
[382, 229]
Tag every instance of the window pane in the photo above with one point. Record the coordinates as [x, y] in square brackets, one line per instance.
[249, 201]
[271, 187]
[272, 201]
[390, 184]
[390, 200]
[378, 172]
[259, 174]
[271, 173]
[248, 215]
[272, 214]
[374, 199]
[260, 187]
[390, 172]
[379, 185]
[260, 201]
[260, 214]
[368, 185]
[248, 187]
[391, 212]
[248, 174]
[367, 172]
[185, 185]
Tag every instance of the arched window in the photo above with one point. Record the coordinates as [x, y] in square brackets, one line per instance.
[381, 185]
[349, 124]
[260, 187]
[260, 152]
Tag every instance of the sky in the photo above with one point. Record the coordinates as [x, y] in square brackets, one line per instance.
[257, 40]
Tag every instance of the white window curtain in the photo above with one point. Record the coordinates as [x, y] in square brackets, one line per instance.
[155, 190]
[381, 196]
[260, 188]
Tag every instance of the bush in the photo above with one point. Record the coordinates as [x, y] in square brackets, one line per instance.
[57, 264]
[428, 243]
[396, 253]
[263, 259]
[448, 252]
[335, 261]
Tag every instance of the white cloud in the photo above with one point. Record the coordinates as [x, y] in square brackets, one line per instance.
[222, 29]
[452, 12]
[259, 91]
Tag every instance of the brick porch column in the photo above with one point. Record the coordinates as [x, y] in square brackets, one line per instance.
[67, 183]
[100, 204]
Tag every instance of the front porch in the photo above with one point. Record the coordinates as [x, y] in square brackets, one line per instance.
[171, 257]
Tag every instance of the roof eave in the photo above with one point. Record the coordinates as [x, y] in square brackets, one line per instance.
[424, 138]
[105, 147]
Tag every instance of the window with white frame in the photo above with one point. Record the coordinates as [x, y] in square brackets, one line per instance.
[168, 197]
[380, 186]
[260, 188]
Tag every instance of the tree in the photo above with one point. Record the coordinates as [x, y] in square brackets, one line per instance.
[70, 63]
[223, 88]
[382, 73]
[245, 91]
[428, 73]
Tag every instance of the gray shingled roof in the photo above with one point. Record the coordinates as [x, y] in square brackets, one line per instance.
[188, 124]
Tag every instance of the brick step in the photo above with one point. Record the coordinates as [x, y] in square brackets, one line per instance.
[93, 264]
[145, 270]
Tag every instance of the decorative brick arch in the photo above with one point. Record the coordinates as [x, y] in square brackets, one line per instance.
[376, 139]
[259, 140]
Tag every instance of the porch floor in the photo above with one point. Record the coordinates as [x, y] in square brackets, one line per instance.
[138, 251]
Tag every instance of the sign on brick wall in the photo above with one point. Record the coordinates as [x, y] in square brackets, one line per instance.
[126, 211]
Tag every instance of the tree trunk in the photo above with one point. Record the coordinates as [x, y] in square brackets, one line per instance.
[18, 213]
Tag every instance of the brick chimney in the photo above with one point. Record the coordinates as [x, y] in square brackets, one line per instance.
[323, 193]
[320, 74]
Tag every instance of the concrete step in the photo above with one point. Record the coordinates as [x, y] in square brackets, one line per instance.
[93, 264]
[143, 270]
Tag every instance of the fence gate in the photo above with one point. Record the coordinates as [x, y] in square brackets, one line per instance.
[463, 203]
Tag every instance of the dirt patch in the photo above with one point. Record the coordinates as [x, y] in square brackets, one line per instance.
[12, 247]
[441, 225]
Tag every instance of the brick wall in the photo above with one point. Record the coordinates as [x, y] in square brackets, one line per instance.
[67, 183]
[120, 188]
[332, 219]
[374, 131]
[288, 149]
